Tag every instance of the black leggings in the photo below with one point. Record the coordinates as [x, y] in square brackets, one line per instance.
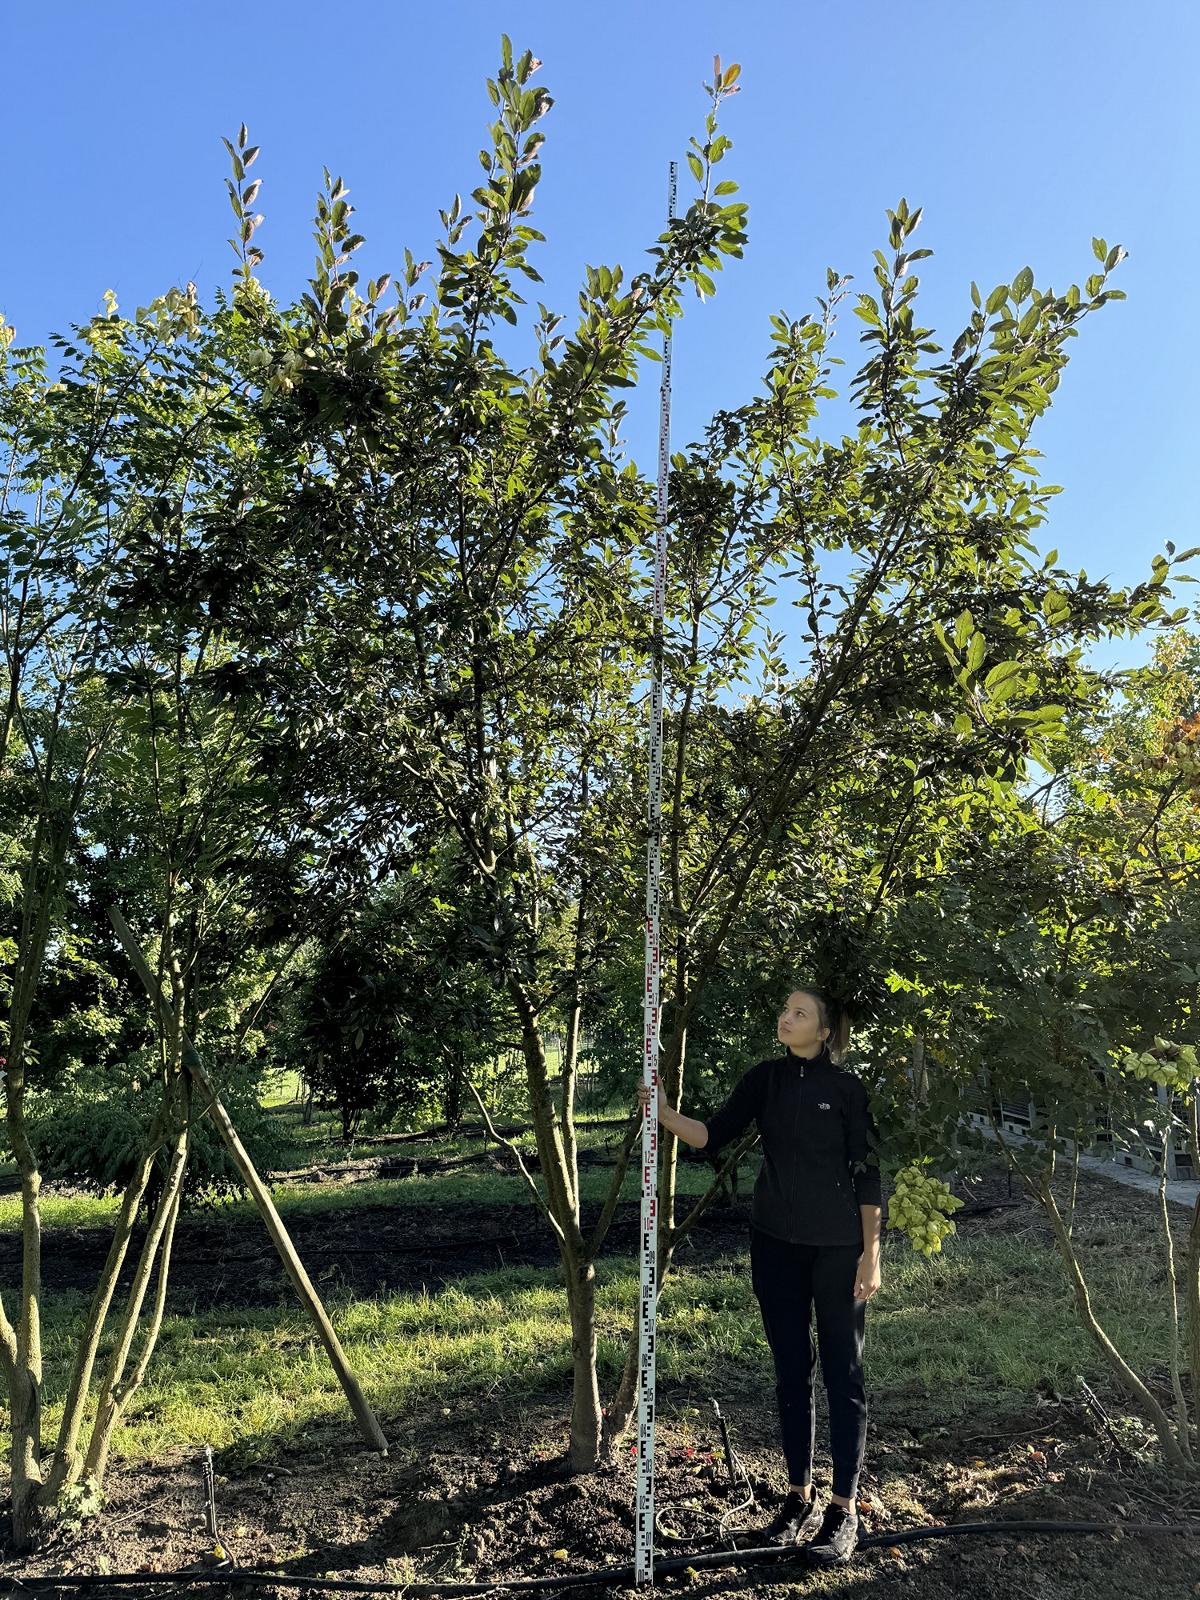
[788, 1279]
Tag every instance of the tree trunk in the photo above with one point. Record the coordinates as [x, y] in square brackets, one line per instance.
[22, 1358]
[920, 1073]
[25, 1401]
[115, 1393]
[68, 1463]
[586, 1419]
[1129, 1380]
[570, 1054]
[561, 1203]
[452, 1099]
[25, 1377]
[570, 1083]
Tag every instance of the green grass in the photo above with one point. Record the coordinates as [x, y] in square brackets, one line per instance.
[281, 1090]
[474, 1189]
[322, 1146]
[321, 1138]
[321, 1141]
[973, 1328]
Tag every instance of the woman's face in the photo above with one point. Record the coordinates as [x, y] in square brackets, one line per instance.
[800, 1025]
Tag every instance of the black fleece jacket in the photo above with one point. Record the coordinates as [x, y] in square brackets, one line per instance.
[820, 1147]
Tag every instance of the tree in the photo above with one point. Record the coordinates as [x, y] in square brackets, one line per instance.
[1057, 968]
[397, 1017]
[485, 535]
[483, 544]
[147, 764]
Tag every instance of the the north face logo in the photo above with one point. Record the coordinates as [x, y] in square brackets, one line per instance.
[822, 1105]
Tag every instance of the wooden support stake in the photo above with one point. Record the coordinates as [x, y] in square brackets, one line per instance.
[309, 1298]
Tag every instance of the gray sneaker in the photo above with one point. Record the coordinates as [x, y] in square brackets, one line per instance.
[793, 1519]
[837, 1538]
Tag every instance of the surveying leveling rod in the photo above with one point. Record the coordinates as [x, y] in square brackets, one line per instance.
[644, 1519]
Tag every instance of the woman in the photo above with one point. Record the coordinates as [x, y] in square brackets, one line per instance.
[814, 1240]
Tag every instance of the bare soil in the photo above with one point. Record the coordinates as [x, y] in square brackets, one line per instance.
[485, 1495]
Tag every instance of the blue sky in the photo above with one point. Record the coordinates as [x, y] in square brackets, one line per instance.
[1022, 129]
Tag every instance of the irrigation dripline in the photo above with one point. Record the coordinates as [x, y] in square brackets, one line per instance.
[599, 1576]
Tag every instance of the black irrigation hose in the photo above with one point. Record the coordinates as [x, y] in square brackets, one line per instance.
[612, 1576]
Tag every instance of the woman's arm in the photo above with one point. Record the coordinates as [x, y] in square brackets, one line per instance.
[862, 1147]
[870, 1229]
[725, 1124]
[867, 1280]
[689, 1129]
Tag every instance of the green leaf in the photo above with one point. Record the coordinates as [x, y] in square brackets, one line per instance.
[1022, 283]
[696, 166]
[1099, 248]
[976, 653]
[997, 298]
[940, 635]
[1006, 689]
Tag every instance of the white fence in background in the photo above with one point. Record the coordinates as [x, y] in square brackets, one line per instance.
[1145, 1154]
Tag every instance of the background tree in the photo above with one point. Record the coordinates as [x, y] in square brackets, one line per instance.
[1053, 970]
[397, 1018]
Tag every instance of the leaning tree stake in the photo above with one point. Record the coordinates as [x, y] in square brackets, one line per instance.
[644, 1520]
[367, 1420]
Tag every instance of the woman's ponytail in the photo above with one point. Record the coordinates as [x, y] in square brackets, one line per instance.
[839, 1039]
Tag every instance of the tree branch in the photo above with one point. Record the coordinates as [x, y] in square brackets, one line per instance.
[604, 1220]
[8, 1350]
[533, 1188]
[726, 1167]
